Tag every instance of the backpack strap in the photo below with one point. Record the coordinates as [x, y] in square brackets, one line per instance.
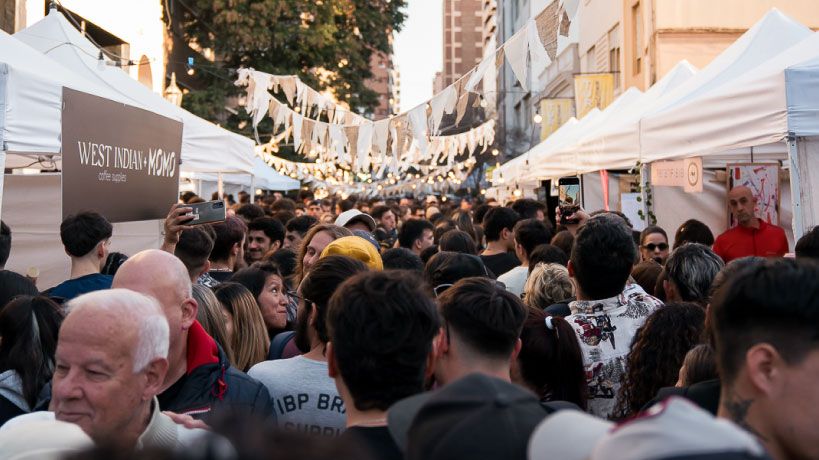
[278, 344]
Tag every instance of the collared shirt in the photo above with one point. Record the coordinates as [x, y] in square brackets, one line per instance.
[766, 241]
[606, 328]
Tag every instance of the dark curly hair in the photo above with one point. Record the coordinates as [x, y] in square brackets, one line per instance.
[657, 353]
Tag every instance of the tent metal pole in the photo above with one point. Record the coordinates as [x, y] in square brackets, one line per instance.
[796, 195]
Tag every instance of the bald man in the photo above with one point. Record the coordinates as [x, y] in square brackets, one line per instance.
[199, 379]
[110, 364]
[752, 236]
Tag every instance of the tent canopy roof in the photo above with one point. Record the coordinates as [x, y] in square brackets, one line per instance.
[205, 146]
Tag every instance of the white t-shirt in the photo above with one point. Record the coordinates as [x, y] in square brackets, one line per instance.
[515, 279]
[304, 396]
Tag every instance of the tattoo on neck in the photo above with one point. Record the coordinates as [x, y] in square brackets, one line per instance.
[737, 408]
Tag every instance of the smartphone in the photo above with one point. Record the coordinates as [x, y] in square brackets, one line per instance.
[207, 212]
[569, 196]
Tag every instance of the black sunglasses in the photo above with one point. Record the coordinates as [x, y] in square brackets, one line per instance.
[652, 246]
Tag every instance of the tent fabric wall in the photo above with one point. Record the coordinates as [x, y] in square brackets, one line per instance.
[32, 207]
[808, 171]
[593, 192]
[801, 82]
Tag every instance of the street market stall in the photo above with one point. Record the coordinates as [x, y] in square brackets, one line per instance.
[732, 111]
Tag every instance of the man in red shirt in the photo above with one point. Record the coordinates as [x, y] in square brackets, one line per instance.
[752, 236]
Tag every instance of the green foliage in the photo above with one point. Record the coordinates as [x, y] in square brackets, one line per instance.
[642, 186]
[287, 37]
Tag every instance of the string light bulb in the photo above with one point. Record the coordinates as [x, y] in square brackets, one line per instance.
[537, 118]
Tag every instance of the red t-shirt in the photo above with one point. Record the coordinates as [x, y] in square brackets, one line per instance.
[766, 241]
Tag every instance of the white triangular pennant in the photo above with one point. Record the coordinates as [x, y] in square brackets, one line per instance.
[516, 51]
[298, 121]
[476, 77]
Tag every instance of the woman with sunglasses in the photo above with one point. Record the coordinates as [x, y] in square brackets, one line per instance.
[654, 245]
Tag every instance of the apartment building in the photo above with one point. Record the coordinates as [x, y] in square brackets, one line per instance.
[463, 38]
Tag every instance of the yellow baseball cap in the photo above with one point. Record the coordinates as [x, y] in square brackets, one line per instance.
[357, 248]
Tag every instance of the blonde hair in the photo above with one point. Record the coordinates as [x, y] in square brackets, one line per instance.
[211, 318]
[547, 285]
[249, 340]
[334, 230]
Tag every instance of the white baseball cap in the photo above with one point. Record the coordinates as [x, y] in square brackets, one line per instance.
[351, 215]
[674, 428]
[38, 435]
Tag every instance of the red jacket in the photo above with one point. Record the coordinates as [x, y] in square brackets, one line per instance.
[766, 241]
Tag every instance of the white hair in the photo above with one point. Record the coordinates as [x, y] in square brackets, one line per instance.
[133, 310]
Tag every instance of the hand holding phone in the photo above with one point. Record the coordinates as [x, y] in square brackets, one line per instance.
[175, 222]
[207, 212]
[569, 196]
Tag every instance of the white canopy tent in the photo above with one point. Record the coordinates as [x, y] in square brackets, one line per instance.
[31, 87]
[749, 119]
[205, 146]
[264, 177]
[700, 116]
[560, 158]
[513, 171]
[616, 144]
[525, 172]
[30, 127]
[733, 110]
[617, 140]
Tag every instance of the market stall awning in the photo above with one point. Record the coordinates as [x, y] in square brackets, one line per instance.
[205, 146]
[715, 111]
[31, 89]
[264, 177]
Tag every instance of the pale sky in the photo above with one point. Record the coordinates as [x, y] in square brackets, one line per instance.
[418, 51]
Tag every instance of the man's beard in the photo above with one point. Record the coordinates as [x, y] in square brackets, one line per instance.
[302, 329]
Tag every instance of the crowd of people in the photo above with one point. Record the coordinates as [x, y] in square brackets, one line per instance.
[403, 328]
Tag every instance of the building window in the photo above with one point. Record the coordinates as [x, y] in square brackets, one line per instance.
[591, 60]
[614, 54]
[637, 29]
[614, 65]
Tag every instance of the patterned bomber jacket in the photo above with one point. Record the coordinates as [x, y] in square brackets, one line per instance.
[605, 329]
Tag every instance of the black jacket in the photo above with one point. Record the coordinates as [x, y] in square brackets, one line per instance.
[704, 394]
[212, 385]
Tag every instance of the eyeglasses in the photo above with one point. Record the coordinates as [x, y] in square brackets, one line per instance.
[439, 289]
[296, 296]
[652, 246]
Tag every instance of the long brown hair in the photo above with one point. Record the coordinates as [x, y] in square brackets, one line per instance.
[463, 222]
[249, 341]
[334, 230]
[211, 318]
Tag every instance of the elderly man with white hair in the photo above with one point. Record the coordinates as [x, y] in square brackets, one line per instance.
[200, 380]
[111, 361]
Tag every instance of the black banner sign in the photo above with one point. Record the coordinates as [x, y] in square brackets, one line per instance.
[118, 160]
